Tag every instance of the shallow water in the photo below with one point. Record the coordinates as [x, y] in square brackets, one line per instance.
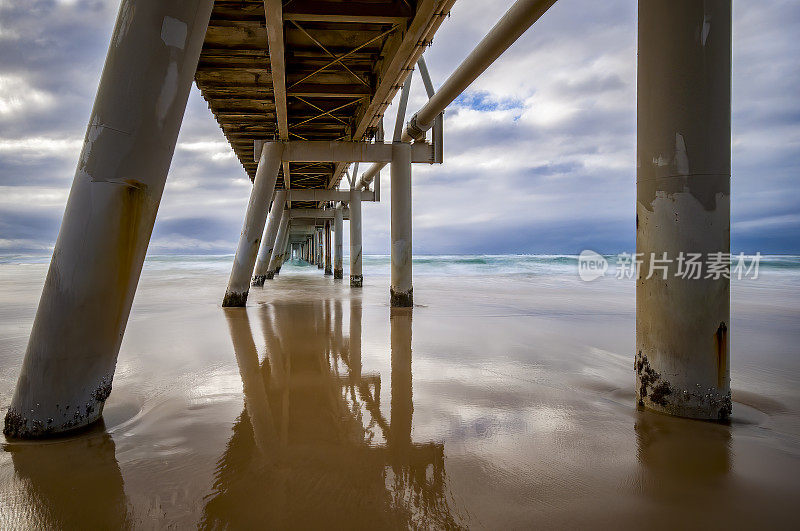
[501, 400]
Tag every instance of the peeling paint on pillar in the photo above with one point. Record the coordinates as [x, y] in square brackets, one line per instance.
[69, 364]
[683, 205]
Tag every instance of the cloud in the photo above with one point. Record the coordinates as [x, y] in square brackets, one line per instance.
[539, 151]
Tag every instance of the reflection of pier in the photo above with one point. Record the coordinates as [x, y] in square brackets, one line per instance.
[312, 446]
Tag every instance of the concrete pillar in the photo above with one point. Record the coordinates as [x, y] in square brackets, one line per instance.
[356, 276]
[401, 291]
[338, 239]
[268, 241]
[72, 351]
[320, 253]
[254, 220]
[328, 265]
[683, 206]
[280, 238]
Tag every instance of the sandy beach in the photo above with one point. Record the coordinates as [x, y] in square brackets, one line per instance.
[500, 401]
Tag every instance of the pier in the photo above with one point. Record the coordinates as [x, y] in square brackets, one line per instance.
[299, 89]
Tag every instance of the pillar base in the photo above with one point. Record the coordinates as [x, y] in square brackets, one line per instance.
[277, 270]
[400, 299]
[656, 393]
[338, 273]
[41, 424]
[356, 281]
[319, 266]
[270, 275]
[233, 300]
[258, 280]
[328, 270]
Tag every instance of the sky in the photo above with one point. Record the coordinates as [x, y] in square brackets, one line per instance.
[539, 151]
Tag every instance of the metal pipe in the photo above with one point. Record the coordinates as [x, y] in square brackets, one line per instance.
[683, 207]
[268, 240]
[254, 220]
[507, 30]
[72, 352]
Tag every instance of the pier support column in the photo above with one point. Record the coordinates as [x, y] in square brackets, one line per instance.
[254, 220]
[338, 248]
[401, 291]
[320, 253]
[275, 260]
[356, 276]
[328, 265]
[268, 241]
[83, 310]
[683, 206]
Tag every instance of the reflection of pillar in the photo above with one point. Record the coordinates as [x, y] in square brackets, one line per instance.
[254, 220]
[401, 291]
[402, 404]
[255, 396]
[328, 265]
[674, 453]
[75, 482]
[338, 232]
[683, 206]
[268, 241]
[354, 354]
[356, 276]
[83, 310]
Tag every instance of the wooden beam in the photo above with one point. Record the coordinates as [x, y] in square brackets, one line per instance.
[351, 11]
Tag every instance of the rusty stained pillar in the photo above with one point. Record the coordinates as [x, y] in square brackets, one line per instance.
[683, 205]
[72, 351]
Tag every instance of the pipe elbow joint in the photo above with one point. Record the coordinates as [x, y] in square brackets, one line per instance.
[415, 131]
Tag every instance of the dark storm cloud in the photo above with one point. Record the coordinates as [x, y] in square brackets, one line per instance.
[540, 151]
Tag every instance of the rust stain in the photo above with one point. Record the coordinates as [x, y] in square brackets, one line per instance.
[721, 339]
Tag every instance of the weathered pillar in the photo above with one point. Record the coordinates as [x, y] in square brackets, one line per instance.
[275, 260]
[268, 241]
[401, 291]
[356, 276]
[72, 351]
[328, 265]
[320, 254]
[254, 220]
[683, 206]
[338, 239]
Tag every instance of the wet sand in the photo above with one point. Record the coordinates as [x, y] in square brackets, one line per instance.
[497, 402]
